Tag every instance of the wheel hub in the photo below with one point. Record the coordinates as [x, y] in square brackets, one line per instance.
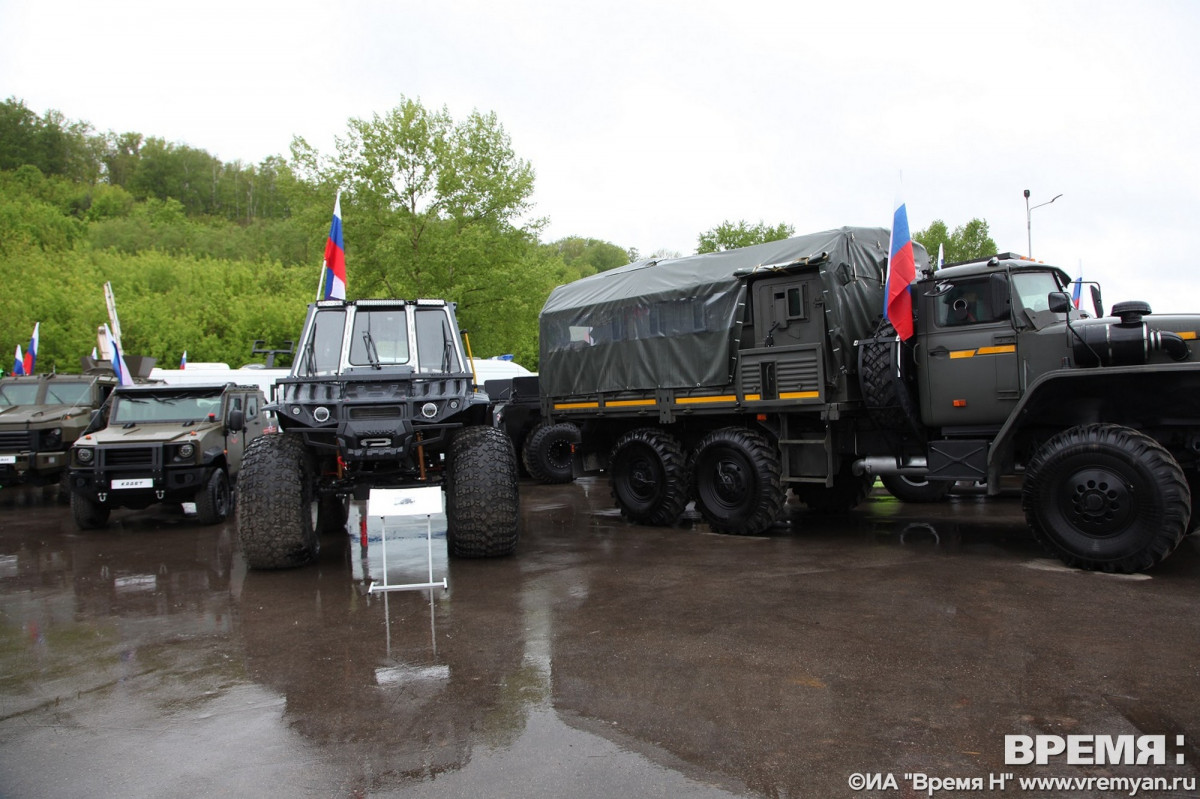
[1100, 502]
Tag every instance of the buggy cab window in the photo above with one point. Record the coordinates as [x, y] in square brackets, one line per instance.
[436, 347]
[322, 352]
[379, 337]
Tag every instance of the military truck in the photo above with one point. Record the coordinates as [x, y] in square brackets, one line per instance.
[731, 378]
[380, 396]
[40, 417]
[153, 444]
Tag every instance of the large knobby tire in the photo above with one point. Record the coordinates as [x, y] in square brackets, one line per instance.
[736, 475]
[916, 489]
[274, 497]
[89, 515]
[1106, 497]
[885, 381]
[546, 452]
[214, 501]
[482, 494]
[847, 491]
[649, 477]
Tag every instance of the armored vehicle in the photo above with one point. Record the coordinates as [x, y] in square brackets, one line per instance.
[731, 378]
[40, 417]
[157, 444]
[380, 396]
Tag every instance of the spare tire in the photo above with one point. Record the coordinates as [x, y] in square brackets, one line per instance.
[886, 376]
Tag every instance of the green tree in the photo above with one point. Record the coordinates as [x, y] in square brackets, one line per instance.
[730, 236]
[967, 242]
[433, 208]
[585, 256]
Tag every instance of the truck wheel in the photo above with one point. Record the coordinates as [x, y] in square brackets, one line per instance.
[547, 452]
[913, 489]
[886, 382]
[274, 496]
[737, 484]
[88, 515]
[482, 495]
[1106, 497]
[213, 501]
[847, 491]
[649, 477]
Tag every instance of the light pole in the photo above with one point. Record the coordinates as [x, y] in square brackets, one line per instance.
[1029, 218]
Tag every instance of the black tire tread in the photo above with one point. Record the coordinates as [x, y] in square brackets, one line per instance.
[769, 495]
[482, 494]
[274, 519]
[209, 506]
[88, 514]
[1171, 506]
[669, 505]
[537, 452]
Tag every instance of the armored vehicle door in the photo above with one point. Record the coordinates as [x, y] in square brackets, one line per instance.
[786, 360]
[967, 353]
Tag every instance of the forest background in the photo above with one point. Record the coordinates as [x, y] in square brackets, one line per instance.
[207, 257]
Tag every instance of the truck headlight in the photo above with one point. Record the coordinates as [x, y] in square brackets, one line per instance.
[52, 439]
[85, 454]
[187, 450]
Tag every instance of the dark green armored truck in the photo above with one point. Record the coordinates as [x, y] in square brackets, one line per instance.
[731, 378]
[40, 417]
[154, 444]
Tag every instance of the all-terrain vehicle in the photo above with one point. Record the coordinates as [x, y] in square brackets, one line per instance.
[155, 444]
[380, 396]
[40, 418]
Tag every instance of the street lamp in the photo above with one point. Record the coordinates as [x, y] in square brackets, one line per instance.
[1029, 218]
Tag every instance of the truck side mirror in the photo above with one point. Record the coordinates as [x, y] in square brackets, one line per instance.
[1059, 302]
[237, 420]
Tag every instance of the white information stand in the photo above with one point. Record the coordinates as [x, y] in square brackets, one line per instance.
[384, 502]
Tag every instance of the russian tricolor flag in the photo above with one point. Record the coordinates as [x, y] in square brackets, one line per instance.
[31, 353]
[1075, 292]
[183, 360]
[118, 360]
[902, 271]
[18, 362]
[335, 257]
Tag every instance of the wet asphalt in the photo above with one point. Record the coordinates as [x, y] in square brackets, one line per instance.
[604, 659]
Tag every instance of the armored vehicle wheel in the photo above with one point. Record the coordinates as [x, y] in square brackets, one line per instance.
[214, 500]
[649, 477]
[847, 491]
[332, 513]
[737, 488]
[884, 376]
[914, 489]
[1106, 497]
[547, 452]
[88, 515]
[482, 495]
[274, 496]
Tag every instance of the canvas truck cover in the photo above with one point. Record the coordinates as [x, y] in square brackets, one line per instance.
[673, 323]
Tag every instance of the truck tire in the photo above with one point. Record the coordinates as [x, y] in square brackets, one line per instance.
[274, 497]
[546, 452]
[214, 500]
[649, 477]
[89, 515]
[736, 481]
[1106, 497]
[886, 384]
[847, 491]
[482, 495]
[913, 489]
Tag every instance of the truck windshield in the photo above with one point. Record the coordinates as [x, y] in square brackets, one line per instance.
[379, 337]
[18, 393]
[152, 407]
[69, 393]
[1033, 289]
[322, 352]
[436, 351]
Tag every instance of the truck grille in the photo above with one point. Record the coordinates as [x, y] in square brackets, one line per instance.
[15, 441]
[127, 456]
[358, 413]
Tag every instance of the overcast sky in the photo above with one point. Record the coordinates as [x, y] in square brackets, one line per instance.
[648, 122]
